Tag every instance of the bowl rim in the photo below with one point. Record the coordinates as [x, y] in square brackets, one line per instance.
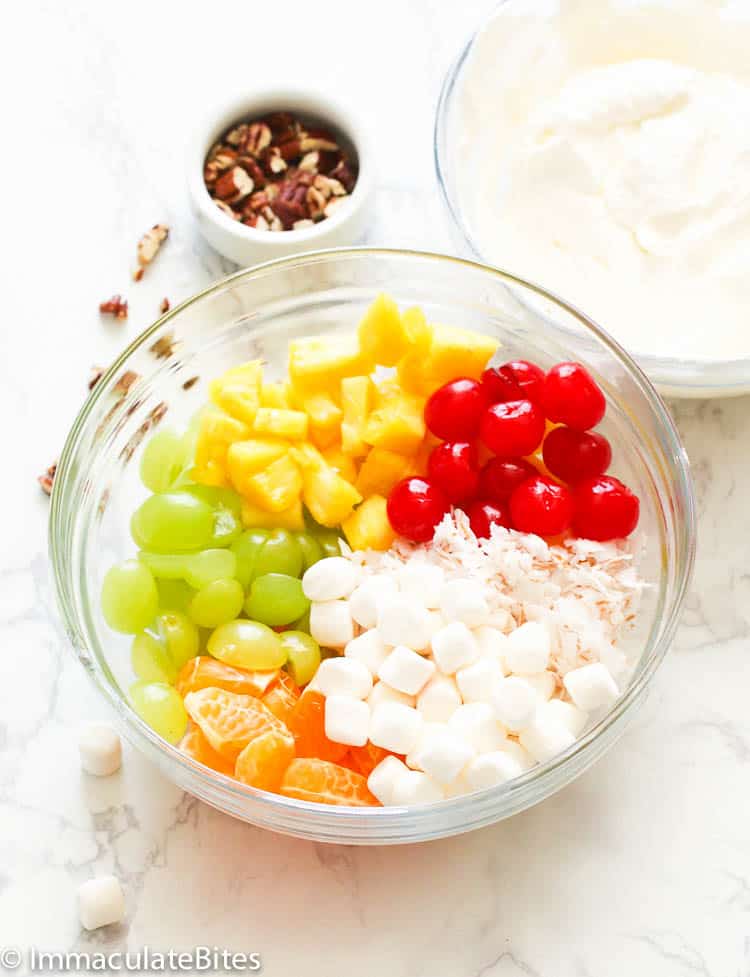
[161, 751]
[688, 378]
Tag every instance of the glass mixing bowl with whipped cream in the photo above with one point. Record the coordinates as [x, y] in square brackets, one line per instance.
[602, 149]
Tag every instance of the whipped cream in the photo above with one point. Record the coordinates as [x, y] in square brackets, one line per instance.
[605, 154]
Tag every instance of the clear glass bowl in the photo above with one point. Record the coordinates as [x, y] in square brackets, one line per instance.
[253, 314]
[674, 376]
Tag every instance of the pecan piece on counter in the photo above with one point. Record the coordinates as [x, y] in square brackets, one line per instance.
[117, 306]
[148, 248]
[164, 305]
[46, 480]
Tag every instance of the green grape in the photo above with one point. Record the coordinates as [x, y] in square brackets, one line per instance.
[217, 603]
[179, 635]
[227, 506]
[174, 595]
[329, 541]
[159, 705]
[303, 655]
[202, 568]
[281, 553]
[173, 522]
[312, 551]
[275, 599]
[129, 597]
[163, 460]
[151, 661]
[246, 549]
[247, 644]
[165, 566]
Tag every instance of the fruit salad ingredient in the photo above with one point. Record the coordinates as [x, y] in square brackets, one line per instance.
[101, 902]
[541, 506]
[454, 411]
[173, 522]
[247, 644]
[163, 460]
[194, 744]
[129, 597]
[280, 553]
[500, 476]
[514, 380]
[161, 707]
[415, 507]
[100, 749]
[454, 468]
[229, 721]
[303, 655]
[484, 515]
[276, 599]
[575, 455]
[151, 661]
[217, 603]
[572, 397]
[322, 782]
[512, 428]
[604, 509]
[246, 550]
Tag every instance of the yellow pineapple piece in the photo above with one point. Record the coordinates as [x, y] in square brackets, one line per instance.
[341, 462]
[307, 456]
[253, 517]
[418, 331]
[274, 395]
[381, 470]
[325, 418]
[456, 352]
[382, 337]
[216, 431]
[411, 367]
[281, 423]
[357, 395]
[329, 497]
[398, 425]
[319, 362]
[211, 473]
[368, 527]
[245, 458]
[237, 391]
[277, 487]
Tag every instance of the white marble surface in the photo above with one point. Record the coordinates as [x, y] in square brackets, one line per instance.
[641, 867]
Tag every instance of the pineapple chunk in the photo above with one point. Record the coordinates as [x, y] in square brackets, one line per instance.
[341, 462]
[418, 332]
[356, 400]
[281, 423]
[255, 518]
[211, 473]
[368, 527]
[456, 352]
[382, 337]
[216, 431]
[381, 470]
[307, 456]
[277, 487]
[325, 418]
[274, 395]
[328, 496]
[319, 362]
[397, 425]
[238, 390]
[246, 458]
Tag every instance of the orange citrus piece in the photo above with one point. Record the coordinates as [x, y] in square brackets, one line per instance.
[205, 672]
[195, 745]
[229, 721]
[364, 759]
[307, 724]
[322, 782]
[282, 696]
[265, 758]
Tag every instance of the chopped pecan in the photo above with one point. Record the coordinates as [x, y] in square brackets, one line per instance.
[164, 306]
[273, 161]
[253, 170]
[257, 138]
[125, 382]
[97, 372]
[236, 135]
[310, 161]
[46, 480]
[218, 165]
[117, 306]
[234, 185]
[290, 149]
[343, 173]
[318, 139]
[316, 202]
[226, 209]
[282, 124]
[148, 247]
[290, 205]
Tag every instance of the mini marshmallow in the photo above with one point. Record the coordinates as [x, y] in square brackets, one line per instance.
[566, 713]
[344, 676]
[100, 749]
[441, 753]
[492, 644]
[422, 581]
[369, 649]
[491, 769]
[528, 649]
[464, 600]
[331, 623]
[543, 683]
[591, 687]
[522, 757]
[330, 579]
[347, 720]
[382, 692]
[454, 647]
[514, 703]
[413, 788]
[406, 671]
[439, 699]
[476, 723]
[382, 781]
[366, 599]
[101, 902]
[404, 622]
[476, 682]
[425, 730]
[544, 738]
[395, 727]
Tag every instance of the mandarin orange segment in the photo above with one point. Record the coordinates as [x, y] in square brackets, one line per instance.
[195, 745]
[229, 721]
[365, 758]
[321, 782]
[265, 759]
[205, 672]
[307, 724]
[282, 697]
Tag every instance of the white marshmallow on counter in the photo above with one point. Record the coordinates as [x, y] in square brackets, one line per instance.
[454, 647]
[476, 723]
[514, 702]
[395, 727]
[369, 649]
[101, 902]
[464, 601]
[439, 699]
[476, 682]
[522, 757]
[570, 716]
[347, 720]
[404, 622]
[492, 644]
[441, 753]
[382, 692]
[422, 581]
[528, 649]
[366, 599]
[545, 737]
[406, 671]
[591, 687]
[330, 579]
[344, 676]
[491, 769]
[543, 683]
[331, 623]
[413, 788]
[382, 781]
[100, 749]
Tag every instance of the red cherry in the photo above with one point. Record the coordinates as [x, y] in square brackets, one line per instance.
[571, 395]
[514, 380]
[604, 509]
[574, 455]
[541, 506]
[454, 411]
[415, 507]
[484, 515]
[500, 476]
[453, 467]
[512, 428]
